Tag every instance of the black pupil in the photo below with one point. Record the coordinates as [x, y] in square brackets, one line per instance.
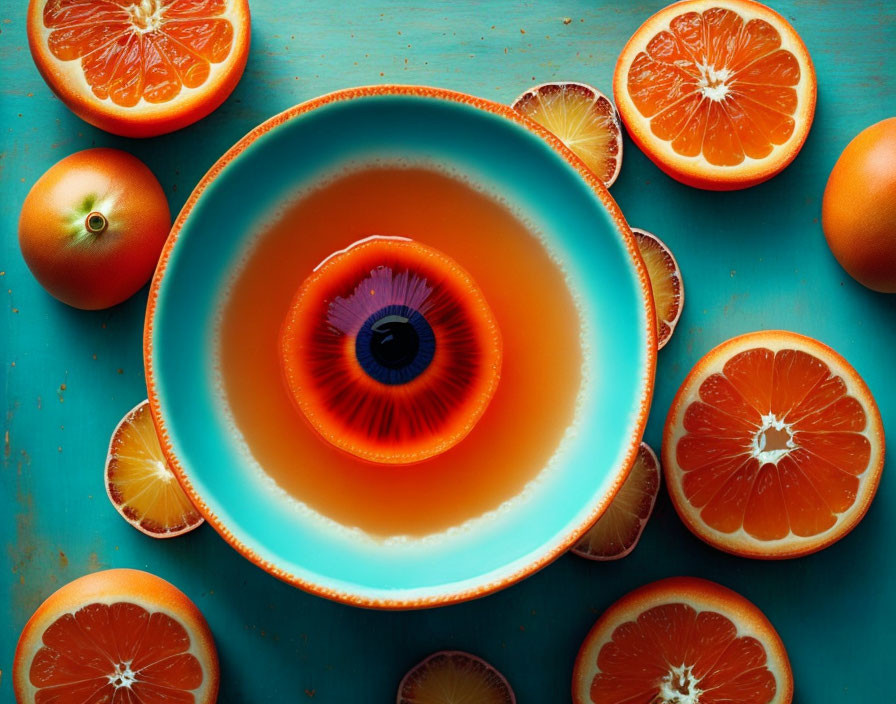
[395, 345]
[394, 342]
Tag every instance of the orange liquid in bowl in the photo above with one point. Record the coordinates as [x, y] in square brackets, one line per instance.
[541, 373]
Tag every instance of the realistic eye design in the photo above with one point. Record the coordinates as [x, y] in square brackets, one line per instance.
[391, 351]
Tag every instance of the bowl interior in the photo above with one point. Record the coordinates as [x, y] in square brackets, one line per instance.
[507, 159]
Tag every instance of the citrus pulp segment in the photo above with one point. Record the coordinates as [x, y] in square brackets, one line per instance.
[618, 530]
[773, 446]
[139, 482]
[682, 640]
[119, 636]
[583, 118]
[719, 94]
[665, 282]
[140, 68]
[454, 677]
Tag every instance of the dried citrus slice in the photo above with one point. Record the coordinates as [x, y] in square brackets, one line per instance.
[121, 636]
[618, 530]
[140, 68]
[665, 282]
[139, 482]
[773, 446]
[682, 640]
[454, 677]
[583, 118]
[720, 95]
[391, 351]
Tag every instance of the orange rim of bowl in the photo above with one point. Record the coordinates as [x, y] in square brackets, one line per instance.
[637, 430]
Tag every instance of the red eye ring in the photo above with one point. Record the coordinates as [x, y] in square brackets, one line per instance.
[437, 389]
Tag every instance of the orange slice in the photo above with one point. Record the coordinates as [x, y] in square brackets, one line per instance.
[682, 640]
[140, 68]
[773, 446]
[141, 485]
[583, 118]
[454, 677]
[119, 636]
[719, 95]
[618, 530]
[665, 282]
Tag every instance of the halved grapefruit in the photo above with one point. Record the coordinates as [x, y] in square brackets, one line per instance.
[619, 529]
[454, 677]
[773, 446]
[583, 118]
[139, 482]
[140, 68]
[119, 636]
[720, 94]
[684, 641]
[665, 282]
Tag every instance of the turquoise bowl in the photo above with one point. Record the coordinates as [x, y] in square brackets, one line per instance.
[510, 157]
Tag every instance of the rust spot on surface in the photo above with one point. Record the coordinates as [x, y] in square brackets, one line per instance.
[28, 553]
[94, 564]
[63, 560]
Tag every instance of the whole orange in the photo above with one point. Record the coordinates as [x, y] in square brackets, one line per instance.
[858, 213]
[92, 227]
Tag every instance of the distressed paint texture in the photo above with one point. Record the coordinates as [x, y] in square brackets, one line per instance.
[752, 259]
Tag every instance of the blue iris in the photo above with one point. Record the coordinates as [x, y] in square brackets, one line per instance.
[395, 345]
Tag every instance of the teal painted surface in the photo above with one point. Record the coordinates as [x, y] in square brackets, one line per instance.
[753, 259]
[491, 153]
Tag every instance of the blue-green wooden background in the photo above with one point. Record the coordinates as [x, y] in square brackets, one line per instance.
[752, 259]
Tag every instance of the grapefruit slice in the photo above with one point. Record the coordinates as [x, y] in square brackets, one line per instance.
[773, 446]
[665, 282]
[391, 351]
[617, 531]
[682, 640]
[454, 677]
[140, 68]
[120, 636]
[583, 118]
[141, 485]
[719, 95]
